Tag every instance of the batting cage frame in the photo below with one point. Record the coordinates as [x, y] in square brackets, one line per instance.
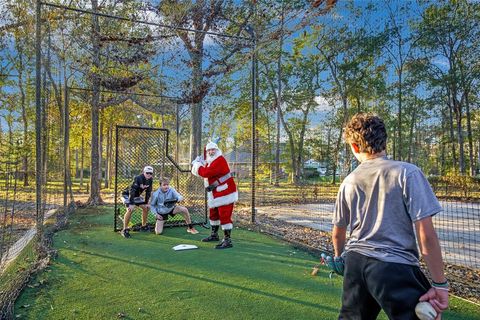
[252, 39]
[137, 147]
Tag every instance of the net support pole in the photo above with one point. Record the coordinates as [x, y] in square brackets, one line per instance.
[38, 118]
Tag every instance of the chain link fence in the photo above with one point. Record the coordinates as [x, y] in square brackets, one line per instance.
[312, 205]
[23, 232]
[306, 203]
[137, 147]
[302, 213]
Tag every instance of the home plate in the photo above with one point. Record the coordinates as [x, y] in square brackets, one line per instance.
[184, 247]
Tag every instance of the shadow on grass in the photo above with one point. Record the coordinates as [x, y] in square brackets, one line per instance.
[76, 266]
[251, 244]
[217, 282]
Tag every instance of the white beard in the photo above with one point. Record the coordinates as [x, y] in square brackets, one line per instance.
[217, 154]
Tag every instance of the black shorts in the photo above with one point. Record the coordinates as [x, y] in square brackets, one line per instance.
[370, 285]
[165, 215]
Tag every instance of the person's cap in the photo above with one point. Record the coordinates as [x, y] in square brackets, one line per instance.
[211, 145]
[148, 169]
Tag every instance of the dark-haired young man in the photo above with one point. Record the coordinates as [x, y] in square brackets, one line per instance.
[382, 201]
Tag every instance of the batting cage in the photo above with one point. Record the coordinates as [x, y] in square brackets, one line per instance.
[137, 147]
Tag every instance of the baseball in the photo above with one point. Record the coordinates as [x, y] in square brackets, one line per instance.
[425, 311]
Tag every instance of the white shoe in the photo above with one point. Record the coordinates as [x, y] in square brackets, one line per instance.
[192, 231]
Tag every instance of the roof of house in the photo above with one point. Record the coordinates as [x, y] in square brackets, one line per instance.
[245, 157]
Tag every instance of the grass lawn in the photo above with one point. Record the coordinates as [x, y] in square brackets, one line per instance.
[99, 275]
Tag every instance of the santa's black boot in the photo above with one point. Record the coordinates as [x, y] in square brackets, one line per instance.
[226, 242]
[213, 236]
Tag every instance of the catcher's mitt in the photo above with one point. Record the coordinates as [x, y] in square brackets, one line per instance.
[336, 264]
[138, 200]
[170, 203]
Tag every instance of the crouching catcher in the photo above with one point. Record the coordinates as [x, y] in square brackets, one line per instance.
[164, 204]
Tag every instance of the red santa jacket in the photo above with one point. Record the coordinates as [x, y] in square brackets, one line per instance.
[226, 192]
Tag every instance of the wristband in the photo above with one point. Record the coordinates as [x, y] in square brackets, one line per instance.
[440, 284]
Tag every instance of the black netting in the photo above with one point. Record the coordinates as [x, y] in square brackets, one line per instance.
[138, 147]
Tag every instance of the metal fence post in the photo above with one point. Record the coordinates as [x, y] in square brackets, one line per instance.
[38, 119]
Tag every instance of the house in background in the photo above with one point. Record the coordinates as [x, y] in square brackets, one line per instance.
[240, 161]
[312, 167]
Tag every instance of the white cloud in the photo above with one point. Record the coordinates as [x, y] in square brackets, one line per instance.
[323, 104]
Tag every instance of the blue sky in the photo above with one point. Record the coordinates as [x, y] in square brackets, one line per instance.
[339, 16]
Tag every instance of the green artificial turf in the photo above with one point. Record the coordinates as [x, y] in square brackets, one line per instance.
[99, 275]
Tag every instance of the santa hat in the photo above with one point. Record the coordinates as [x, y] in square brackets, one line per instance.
[211, 145]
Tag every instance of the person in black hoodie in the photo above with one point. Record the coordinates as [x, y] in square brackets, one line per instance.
[142, 182]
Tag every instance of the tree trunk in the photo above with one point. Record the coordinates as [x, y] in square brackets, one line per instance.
[348, 157]
[279, 98]
[399, 124]
[277, 150]
[177, 142]
[452, 132]
[112, 156]
[270, 147]
[458, 117]
[294, 178]
[177, 133]
[394, 141]
[66, 144]
[1, 131]
[235, 151]
[478, 153]
[301, 143]
[328, 155]
[45, 103]
[82, 154]
[291, 141]
[24, 119]
[77, 173]
[418, 137]
[471, 152]
[359, 106]
[196, 120]
[335, 162]
[108, 158]
[442, 145]
[94, 198]
[100, 152]
[11, 146]
[410, 138]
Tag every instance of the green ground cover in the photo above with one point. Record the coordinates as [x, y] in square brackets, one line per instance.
[99, 275]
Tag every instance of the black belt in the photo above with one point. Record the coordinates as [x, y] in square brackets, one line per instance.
[217, 182]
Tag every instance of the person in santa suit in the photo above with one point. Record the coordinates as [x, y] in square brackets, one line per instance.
[221, 192]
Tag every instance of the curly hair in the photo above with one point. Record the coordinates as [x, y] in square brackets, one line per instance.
[367, 130]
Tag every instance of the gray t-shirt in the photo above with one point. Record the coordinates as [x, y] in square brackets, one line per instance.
[157, 205]
[380, 200]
